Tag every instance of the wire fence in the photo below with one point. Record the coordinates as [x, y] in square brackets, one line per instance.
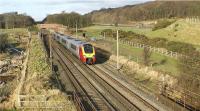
[188, 99]
[41, 102]
[161, 51]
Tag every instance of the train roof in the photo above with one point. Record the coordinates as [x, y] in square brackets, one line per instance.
[72, 40]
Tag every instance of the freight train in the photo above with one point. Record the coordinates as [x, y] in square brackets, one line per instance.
[82, 50]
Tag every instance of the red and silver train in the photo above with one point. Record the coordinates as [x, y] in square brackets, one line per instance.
[82, 50]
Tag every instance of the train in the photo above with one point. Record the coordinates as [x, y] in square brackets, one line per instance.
[84, 51]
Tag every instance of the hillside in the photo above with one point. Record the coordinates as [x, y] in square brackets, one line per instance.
[181, 31]
[146, 11]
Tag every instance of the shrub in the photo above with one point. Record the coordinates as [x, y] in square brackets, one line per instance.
[146, 56]
[162, 24]
[190, 68]
[158, 42]
[180, 47]
[33, 29]
[3, 41]
[108, 32]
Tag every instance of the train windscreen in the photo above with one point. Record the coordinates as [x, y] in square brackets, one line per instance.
[88, 48]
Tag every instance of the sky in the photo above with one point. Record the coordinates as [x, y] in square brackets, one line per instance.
[39, 9]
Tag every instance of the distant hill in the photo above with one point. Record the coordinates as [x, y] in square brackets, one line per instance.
[15, 20]
[146, 11]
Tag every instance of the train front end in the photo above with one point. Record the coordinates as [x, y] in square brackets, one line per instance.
[87, 54]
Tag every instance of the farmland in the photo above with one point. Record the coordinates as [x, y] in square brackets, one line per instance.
[181, 30]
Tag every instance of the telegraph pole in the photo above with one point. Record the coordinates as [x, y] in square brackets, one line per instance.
[76, 30]
[104, 35]
[117, 49]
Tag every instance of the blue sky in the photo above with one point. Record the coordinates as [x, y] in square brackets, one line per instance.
[39, 9]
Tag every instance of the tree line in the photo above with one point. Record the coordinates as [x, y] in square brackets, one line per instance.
[147, 11]
[15, 20]
[69, 19]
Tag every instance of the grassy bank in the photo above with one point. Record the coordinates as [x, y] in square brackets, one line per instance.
[95, 31]
[181, 31]
[162, 62]
[40, 80]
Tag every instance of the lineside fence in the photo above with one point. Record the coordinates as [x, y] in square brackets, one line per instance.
[42, 102]
[161, 51]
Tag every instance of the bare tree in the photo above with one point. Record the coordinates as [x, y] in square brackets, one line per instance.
[146, 56]
[3, 41]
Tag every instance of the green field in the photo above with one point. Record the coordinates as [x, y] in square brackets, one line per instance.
[16, 30]
[163, 63]
[181, 30]
[95, 31]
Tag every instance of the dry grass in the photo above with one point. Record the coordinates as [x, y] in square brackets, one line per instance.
[39, 75]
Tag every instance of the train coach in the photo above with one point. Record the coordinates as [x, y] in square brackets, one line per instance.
[82, 50]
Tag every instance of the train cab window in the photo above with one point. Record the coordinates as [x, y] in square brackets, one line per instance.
[73, 46]
[63, 41]
[88, 48]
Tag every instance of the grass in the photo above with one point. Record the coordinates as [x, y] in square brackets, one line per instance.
[163, 63]
[136, 55]
[95, 31]
[37, 60]
[12, 34]
[39, 76]
[181, 31]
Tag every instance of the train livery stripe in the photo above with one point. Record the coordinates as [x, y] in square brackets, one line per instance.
[81, 55]
[88, 55]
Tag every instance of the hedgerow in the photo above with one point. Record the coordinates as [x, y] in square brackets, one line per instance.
[180, 47]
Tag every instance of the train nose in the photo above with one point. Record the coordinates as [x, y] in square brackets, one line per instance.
[89, 61]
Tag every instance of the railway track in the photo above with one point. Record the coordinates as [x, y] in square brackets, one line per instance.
[91, 99]
[116, 94]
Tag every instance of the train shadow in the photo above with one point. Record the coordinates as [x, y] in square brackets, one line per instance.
[102, 55]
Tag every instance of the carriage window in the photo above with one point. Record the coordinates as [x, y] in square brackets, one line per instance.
[88, 48]
[73, 46]
[63, 41]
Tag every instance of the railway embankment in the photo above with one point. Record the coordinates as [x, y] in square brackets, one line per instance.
[40, 89]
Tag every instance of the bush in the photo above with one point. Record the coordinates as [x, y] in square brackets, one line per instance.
[180, 47]
[146, 56]
[33, 29]
[190, 68]
[162, 24]
[3, 41]
[158, 42]
[109, 32]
